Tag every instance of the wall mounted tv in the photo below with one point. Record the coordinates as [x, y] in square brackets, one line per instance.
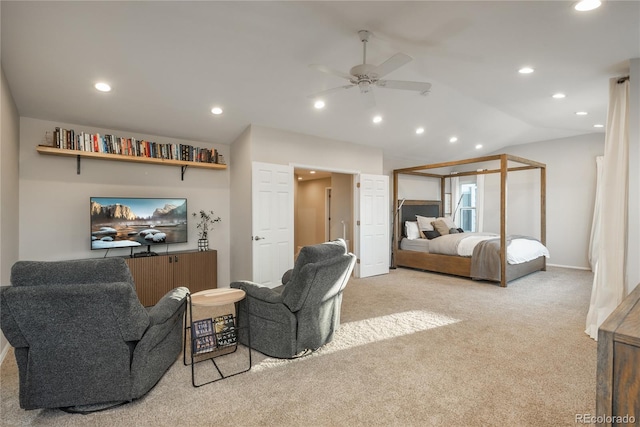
[129, 222]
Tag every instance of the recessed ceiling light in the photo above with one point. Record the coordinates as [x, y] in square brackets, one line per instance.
[216, 110]
[102, 87]
[525, 70]
[581, 113]
[598, 126]
[420, 131]
[479, 146]
[586, 5]
[319, 104]
[377, 119]
[453, 139]
[559, 95]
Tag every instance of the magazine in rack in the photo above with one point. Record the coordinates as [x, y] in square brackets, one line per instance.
[225, 330]
[202, 336]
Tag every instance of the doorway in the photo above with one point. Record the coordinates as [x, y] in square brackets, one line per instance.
[323, 207]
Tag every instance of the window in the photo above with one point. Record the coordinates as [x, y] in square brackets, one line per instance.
[467, 210]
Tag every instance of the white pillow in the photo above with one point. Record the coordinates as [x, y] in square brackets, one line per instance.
[448, 221]
[411, 230]
[424, 223]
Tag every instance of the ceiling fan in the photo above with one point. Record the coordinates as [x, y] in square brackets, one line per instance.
[365, 76]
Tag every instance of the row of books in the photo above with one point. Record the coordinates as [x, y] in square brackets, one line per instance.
[68, 139]
[209, 334]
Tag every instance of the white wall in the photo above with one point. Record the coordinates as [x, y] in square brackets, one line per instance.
[571, 186]
[9, 185]
[54, 200]
[281, 147]
[241, 244]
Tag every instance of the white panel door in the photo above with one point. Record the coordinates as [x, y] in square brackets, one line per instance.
[373, 215]
[272, 222]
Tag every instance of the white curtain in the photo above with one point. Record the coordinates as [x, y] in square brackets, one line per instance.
[594, 241]
[611, 229]
[479, 203]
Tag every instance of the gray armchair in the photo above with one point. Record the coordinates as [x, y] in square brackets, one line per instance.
[82, 338]
[304, 312]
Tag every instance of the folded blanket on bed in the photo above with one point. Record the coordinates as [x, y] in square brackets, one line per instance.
[485, 262]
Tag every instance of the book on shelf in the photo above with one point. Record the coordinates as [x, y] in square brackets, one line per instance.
[111, 144]
[202, 336]
[225, 328]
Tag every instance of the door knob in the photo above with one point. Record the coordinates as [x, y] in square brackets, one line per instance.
[258, 238]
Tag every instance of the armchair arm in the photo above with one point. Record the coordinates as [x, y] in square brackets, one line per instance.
[258, 292]
[171, 302]
[287, 276]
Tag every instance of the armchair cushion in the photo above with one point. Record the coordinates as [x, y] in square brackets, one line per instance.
[85, 271]
[295, 293]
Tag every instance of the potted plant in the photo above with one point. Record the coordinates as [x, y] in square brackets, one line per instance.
[207, 220]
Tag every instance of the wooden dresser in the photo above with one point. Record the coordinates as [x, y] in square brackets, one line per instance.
[618, 388]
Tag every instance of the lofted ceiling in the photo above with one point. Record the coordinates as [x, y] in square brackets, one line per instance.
[169, 63]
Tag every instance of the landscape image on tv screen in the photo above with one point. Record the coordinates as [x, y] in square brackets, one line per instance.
[122, 222]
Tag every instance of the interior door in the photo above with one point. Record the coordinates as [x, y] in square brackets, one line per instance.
[272, 222]
[373, 231]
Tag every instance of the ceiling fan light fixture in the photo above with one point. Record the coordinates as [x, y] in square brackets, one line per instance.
[377, 119]
[420, 130]
[364, 85]
[102, 87]
[525, 70]
[558, 95]
[216, 111]
[319, 104]
[453, 139]
[587, 5]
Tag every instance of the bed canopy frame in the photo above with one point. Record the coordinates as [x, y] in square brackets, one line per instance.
[444, 263]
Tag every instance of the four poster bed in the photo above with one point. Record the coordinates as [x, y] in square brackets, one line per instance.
[482, 256]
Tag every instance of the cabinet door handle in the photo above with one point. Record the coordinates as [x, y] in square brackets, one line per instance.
[176, 258]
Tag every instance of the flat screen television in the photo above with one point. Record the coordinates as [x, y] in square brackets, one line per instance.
[130, 222]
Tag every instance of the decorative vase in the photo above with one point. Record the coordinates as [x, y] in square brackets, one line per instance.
[203, 245]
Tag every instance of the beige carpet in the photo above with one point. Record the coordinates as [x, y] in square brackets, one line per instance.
[415, 349]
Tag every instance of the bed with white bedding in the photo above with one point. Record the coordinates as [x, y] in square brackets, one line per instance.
[520, 249]
[474, 255]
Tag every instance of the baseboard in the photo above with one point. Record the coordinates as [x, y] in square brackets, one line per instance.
[573, 267]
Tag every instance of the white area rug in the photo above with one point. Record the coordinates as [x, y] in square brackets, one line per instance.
[369, 331]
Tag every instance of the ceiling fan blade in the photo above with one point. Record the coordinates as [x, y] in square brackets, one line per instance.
[421, 87]
[392, 64]
[331, 71]
[329, 91]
